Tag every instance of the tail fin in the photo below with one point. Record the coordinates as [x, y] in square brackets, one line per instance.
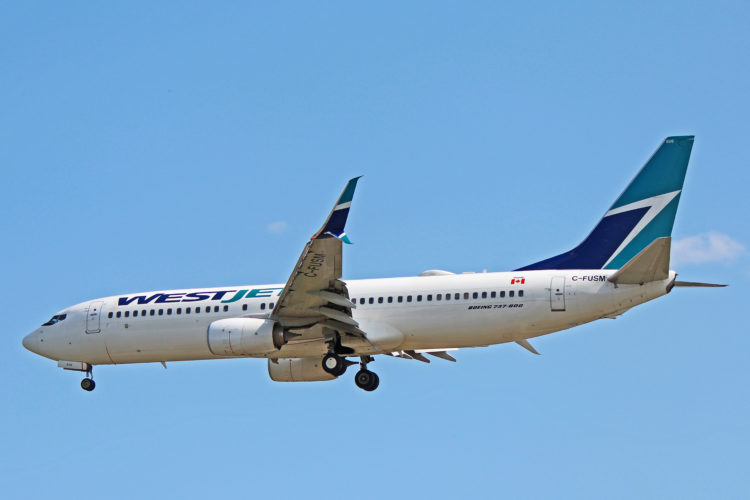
[644, 212]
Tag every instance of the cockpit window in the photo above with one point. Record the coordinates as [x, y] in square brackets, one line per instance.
[55, 319]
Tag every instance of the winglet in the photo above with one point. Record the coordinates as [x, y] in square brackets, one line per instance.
[334, 225]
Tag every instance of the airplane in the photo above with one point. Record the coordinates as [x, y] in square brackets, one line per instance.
[309, 327]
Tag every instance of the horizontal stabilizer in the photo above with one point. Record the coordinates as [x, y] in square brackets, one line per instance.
[695, 284]
[651, 264]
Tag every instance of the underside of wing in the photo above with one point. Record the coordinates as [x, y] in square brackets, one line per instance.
[315, 302]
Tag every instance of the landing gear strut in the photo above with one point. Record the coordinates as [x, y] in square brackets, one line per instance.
[88, 383]
[365, 379]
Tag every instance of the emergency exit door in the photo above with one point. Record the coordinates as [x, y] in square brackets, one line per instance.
[557, 293]
[93, 317]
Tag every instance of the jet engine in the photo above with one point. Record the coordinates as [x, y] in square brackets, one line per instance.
[245, 337]
[298, 370]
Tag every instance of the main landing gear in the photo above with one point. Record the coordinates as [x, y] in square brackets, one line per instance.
[334, 364]
[365, 379]
[88, 383]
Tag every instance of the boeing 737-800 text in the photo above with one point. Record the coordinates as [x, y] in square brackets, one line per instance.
[310, 326]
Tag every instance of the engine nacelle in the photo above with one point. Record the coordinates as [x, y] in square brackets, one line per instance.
[298, 370]
[245, 337]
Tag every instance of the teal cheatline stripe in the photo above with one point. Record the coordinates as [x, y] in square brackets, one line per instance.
[348, 193]
[663, 173]
[660, 227]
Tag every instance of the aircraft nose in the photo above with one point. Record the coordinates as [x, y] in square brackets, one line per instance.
[28, 341]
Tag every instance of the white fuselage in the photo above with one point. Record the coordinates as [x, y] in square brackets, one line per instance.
[491, 308]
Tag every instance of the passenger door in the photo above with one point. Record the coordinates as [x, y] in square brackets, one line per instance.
[93, 317]
[557, 293]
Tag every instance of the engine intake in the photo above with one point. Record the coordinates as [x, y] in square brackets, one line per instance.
[245, 337]
[298, 370]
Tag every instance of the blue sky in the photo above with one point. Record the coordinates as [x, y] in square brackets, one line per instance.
[153, 146]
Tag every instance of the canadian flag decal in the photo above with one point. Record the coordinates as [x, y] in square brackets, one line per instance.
[518, 281]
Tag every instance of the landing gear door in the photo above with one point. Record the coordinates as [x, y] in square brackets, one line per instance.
[557, 293]
[93, 317]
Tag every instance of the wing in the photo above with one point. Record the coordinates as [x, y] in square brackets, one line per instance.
[314, 298]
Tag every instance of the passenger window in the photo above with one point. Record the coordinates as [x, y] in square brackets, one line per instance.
[187, 309]
[502, 294]
[408, 298]
[466, 295]
[429, 298]
[511, 293]
[457, 296]
[226, 308]
[110, 315]
[152, 312]
[362, 300]
[169, 311]
[161, 312]
[520, 293]
[447, 296]
[400, 298]
[216, 309]
[119, 314]
[484, 295]
[244, 307]
[390, 300]
[380, 300]
[419, 298]
[127, 314]
[371, 300]
[179, 310]
[439, 296]
[135, 313]
[197, 310]
[493, 295]
[270, 306]
[475, 295]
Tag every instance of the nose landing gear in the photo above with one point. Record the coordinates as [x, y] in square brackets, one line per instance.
[88, 383]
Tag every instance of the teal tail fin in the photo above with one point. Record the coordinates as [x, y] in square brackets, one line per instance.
[644, 212]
